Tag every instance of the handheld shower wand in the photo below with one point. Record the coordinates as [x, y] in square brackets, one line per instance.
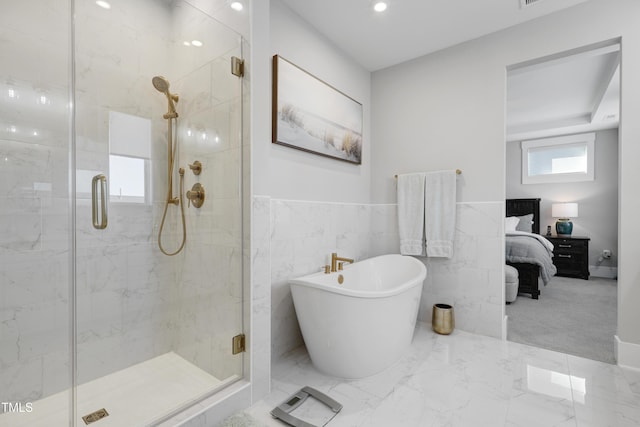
[162, 85]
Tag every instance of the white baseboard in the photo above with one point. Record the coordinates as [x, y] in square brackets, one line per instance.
[602, 271]
[627, 354]
[505, 320]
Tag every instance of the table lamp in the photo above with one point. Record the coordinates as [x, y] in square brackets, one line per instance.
[564, 211]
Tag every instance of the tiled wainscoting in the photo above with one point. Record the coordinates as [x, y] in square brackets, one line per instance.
[302, 235]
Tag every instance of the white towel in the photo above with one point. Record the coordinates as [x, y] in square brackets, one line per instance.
[411, 213]
[440, 213]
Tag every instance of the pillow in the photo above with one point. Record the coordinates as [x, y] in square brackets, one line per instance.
[525, 224]
[510, 223]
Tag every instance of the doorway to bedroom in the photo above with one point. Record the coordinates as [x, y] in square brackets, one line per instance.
[562, 147]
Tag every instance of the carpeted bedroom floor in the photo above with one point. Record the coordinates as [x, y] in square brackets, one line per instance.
[573, 316]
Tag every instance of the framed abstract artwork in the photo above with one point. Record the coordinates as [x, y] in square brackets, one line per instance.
[312, 116]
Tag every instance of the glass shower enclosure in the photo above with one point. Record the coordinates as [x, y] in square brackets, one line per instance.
[97, 323]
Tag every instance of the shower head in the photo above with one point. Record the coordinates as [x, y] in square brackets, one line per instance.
[162, 85]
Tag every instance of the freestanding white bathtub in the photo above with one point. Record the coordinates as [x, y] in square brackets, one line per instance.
[362, 326]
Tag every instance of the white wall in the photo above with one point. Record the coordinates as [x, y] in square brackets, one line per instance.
[447, 110]
[597, 200]
[431, 114]
[286, 173]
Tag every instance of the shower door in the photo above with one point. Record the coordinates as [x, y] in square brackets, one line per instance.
[154, 332]
[87, 299]
[35, 210]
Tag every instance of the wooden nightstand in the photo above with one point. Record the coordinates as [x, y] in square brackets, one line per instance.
[571, 256]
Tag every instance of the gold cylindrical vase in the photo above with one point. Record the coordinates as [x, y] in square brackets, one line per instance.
[442, 319]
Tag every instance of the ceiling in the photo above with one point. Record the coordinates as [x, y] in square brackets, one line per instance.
[412, 28]
[573, 93]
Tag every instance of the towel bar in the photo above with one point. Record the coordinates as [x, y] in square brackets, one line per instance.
[458, 172]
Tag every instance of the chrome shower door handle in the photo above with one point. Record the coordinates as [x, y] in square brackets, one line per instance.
[101, 223]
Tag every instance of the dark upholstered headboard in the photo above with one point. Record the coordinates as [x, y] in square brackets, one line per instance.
[519, 207]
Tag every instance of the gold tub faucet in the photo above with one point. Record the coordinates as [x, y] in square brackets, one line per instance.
[334, 261]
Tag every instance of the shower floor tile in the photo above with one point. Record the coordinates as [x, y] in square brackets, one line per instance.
[134, 396]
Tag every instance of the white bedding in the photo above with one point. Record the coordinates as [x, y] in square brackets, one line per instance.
[547, 244]
[531, 248]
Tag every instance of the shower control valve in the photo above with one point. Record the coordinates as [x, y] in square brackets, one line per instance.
[196, 195]
[196, 167]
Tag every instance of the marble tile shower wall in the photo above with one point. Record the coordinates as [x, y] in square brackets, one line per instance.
[165, 303]
[304, 233]
[124, 285]
[210, 289]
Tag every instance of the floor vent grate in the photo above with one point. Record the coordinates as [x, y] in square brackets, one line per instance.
[95, 416]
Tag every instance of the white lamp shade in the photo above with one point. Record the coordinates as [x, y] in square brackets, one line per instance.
[564, 210]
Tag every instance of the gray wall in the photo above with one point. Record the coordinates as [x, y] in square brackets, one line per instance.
[597, 200]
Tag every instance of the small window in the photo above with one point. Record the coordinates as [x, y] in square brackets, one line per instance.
[128, 179]
[129, 158]
[560, 159]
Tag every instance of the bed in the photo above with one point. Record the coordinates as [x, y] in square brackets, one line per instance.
[530, 253]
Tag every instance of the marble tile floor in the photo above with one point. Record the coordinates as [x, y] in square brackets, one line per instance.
[465, 380]
[134, 396]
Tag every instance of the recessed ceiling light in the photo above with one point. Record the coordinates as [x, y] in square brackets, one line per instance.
[103, 4]
[380, 6]
[196, 43]
[237, 5]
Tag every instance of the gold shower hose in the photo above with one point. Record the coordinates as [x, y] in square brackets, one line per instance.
[170, 193]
